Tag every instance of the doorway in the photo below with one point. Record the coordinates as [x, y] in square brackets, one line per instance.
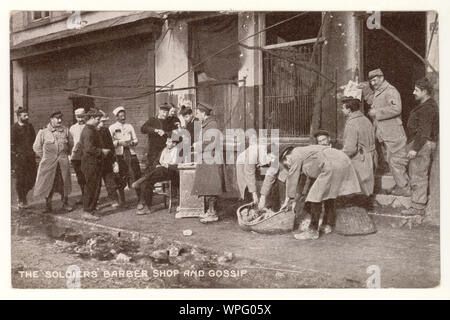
[400, 67]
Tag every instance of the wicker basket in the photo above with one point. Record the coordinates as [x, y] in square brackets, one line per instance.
[352, 221]
[279, 223]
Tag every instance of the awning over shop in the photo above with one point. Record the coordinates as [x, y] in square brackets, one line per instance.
[140, 23]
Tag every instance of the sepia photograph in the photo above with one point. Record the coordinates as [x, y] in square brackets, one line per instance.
[224, 149]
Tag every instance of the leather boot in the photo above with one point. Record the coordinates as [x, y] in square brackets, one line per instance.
[122, 202]
[48, 205]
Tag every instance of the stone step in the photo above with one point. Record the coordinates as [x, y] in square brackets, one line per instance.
[395, 220]
[387, 200]
[384, 182]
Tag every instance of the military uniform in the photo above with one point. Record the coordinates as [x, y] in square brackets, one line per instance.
[53, 145]
[23, 159]
[423, 126]
[387, 105]
[91, 165]
[359, 146]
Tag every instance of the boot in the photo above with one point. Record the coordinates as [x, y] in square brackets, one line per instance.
[66, 207]
[80, 201]
[122, 202]
[48, 205]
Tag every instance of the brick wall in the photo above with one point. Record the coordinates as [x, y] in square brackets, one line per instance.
[120, 68]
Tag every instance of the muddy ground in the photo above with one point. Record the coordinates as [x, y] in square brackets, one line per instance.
[45, 255]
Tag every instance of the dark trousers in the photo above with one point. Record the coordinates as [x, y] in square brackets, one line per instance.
[25, 169]
[129, 170]
[329, 216]
[109, 180]
[153, 156]
[93, 177]
[157, 175]
[76, 164]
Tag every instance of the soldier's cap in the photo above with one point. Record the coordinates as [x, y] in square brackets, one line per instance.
[202, 106]
[285, 152]
[375, 73]
[349, 99]
[21, 110]
[424, 84]
[104, 116]
[80, 112]
[321, 132]
[56, 114]
[94, 113]
[165, 106]
[117, 110]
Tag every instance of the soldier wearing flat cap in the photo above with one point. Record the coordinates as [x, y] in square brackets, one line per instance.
[422, 128]
[53, 145]
[209, 177]
[322, 137]
[386, 112]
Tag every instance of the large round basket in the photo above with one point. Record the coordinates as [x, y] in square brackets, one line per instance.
[279, 223]
[352, 221]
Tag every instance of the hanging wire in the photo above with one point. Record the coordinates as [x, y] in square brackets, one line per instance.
[197, 64]
[410, 49]
[432, 35]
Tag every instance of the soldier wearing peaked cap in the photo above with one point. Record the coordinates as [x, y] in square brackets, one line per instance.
[209, 177]
[53, 145]
[386, 112]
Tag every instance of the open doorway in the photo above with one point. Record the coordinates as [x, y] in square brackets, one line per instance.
[400, 67]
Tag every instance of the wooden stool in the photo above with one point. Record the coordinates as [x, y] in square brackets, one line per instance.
[166, 191]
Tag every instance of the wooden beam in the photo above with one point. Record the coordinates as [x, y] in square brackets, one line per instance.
[84, 40]
[292, 43]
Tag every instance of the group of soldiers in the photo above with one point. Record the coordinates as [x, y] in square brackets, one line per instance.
[329, 173]
[95, 152]
[99, 153]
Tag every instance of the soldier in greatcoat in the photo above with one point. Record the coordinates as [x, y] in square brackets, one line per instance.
[53, 145]
[386, 111]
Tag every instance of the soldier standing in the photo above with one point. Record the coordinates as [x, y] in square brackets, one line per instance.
[386, 110]
[53, 144]
[423, 127]
[75, 131]
[22, 156]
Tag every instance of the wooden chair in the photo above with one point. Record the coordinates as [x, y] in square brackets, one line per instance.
[164, 188]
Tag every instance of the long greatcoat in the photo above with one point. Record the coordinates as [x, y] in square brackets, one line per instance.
[209, 178]
[246, 169]
[53, 146]
[332, 169]
[359, 146]
[387, 104]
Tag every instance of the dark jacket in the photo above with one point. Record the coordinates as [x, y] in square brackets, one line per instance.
[423, 124]
[190, 127]
[209, 178]
[106, 142]
[171, 123]
[155, 142]
[91, 150]
[22, 139]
